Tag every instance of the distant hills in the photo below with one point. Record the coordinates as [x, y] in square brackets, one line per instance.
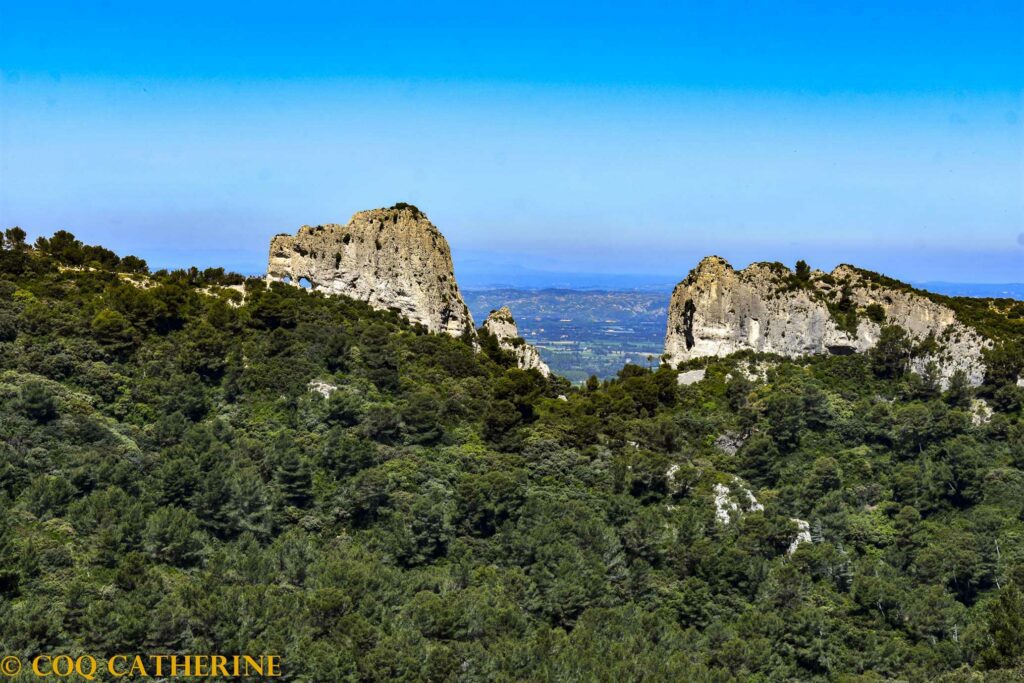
[525, 280]
[998, 291]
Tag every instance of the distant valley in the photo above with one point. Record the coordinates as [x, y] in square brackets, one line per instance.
[580, 332]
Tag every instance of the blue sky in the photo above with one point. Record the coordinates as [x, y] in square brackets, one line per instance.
[569, 137]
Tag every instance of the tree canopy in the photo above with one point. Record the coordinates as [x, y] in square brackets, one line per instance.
[194, 462]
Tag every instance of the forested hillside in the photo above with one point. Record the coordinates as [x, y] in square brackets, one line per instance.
[192, 462]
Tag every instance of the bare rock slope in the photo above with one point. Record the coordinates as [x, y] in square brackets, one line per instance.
[501, 324]
[718, 310]
[391, 258]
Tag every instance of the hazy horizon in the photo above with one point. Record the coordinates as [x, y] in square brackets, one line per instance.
[563, 138]
[491, 270]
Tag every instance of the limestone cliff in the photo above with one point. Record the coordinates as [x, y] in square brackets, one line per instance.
[718, 310]
[501, 324]
[391, 258]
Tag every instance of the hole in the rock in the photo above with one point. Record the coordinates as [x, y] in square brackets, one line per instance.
[841, 350]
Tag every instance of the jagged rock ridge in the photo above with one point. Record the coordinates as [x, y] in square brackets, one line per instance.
[391, 258]
[502, 325]
[718, 310]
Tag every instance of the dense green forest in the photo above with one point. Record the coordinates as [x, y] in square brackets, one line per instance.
[193, 462]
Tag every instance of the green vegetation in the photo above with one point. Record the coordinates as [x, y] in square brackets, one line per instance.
[416, 212]
[875, 313]
[844, 311]
[185, 468]
[800, 278]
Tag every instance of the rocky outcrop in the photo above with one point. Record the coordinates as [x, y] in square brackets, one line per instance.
[325, 389]
[690, 377]
[732, 501]
[391, 258]
[718, 310]
[502, 326]
[729, 443]
[803, 535]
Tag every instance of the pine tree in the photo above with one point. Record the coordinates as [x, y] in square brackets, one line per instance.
[294, 480]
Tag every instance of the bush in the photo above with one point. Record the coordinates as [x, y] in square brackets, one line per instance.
[112, 330]
[8, 327]
[37, 402]
[172, 536]
[890, 357]
[875, 313]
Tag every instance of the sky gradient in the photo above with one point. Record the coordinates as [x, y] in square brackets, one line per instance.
[570, 137]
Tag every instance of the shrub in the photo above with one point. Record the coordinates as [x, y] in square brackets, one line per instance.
[875, 313]
[37, 402]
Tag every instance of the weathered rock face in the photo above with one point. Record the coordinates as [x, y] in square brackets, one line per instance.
[391, 258]
[690, 377]
[718, 310]
[501, 324]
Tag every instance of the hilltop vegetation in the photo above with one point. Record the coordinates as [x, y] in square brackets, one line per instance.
[192, 462]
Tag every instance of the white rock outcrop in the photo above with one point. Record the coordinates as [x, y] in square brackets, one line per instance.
[690, 377]
[502, 325]
[730, 442]
[319, 386]
[803, 535]
[736, 499]
[718, 310]
[391, 258]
